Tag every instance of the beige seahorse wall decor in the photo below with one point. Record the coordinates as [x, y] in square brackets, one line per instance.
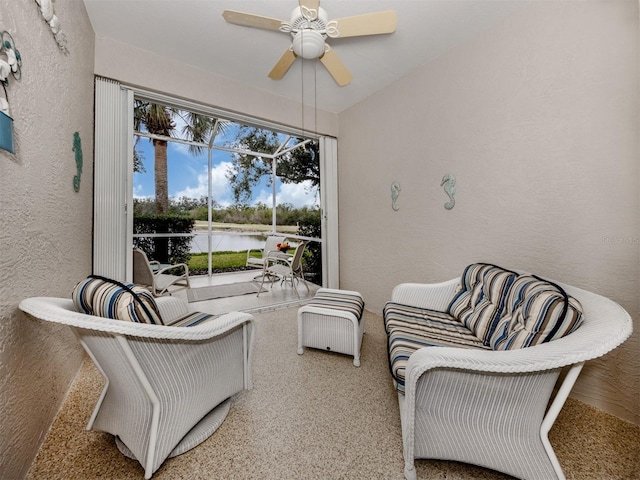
[395, 192]
[449, 183]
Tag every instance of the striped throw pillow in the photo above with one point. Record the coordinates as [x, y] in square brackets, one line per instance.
[479, 302]
[536, 311]
[108, 298]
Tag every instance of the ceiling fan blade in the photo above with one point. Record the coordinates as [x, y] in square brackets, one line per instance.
[367, 24]
[251, 20]
[310, 4]
[283, 65]
[336, 68]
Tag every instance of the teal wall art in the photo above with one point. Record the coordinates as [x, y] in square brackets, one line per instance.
[77, 147]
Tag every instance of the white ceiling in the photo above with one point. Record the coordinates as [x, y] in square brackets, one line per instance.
[194, 32]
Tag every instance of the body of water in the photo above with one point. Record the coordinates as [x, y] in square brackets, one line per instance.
[224, 242]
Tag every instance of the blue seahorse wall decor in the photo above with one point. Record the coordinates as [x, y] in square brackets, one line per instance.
[449, 182]
[77, 147]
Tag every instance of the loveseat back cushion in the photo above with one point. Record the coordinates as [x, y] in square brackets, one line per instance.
[479, 300]
[536, 311]
[103, 297]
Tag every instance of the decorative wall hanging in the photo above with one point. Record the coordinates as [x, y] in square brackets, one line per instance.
[6, 124]
[77, 147]
[46, 8]
[395, 192]
[10, 64]
[449, 182]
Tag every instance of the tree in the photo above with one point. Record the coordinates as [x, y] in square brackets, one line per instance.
[297, 166]
[161, 120]
[158, 121]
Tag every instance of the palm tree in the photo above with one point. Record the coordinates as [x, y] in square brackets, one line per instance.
[161, 120]
[158, 121]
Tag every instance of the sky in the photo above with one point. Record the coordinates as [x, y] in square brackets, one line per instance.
[187, 175]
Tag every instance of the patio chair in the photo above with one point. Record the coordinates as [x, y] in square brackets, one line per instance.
[154, 276]
[167, 388]
[286, 268]
[270, 245]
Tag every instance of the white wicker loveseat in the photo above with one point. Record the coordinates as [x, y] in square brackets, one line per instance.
[466, 401]
[167, 388]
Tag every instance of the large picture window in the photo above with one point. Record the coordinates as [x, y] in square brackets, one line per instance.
[236, 182]
[234, 179]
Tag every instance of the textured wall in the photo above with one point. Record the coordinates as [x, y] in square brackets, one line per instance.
[45, 227]
[137, 67]
[538, 120]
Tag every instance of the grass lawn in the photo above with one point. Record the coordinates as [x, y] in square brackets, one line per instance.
[244, 227]
[228, 261]
[220, 261]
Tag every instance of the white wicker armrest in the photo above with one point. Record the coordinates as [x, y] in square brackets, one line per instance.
[62, 311]
[434, 296]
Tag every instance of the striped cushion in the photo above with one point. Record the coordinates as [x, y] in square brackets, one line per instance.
[410, 328]
[343, 300]
[191, 319]
[536, 311]
[105, 298]
[479, 302]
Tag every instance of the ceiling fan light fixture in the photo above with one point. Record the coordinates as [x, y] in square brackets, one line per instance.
[308, 44]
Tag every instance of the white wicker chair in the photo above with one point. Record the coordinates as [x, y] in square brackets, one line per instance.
[491, 408]
[167, 389]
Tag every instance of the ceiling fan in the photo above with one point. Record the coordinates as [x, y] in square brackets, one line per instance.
[309, 27]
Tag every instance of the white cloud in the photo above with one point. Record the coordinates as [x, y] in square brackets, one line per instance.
[220, 185]
[137, 192]
[299, 195]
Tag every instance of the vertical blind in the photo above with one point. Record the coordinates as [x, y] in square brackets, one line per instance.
[111, 173]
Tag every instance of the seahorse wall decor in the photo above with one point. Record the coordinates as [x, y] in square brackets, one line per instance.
[77, 147]
[395, 192]
[449, 182]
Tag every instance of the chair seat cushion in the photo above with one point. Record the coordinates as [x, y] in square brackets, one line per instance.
[103, 297]
[536, 311]
[479, 301]
[410, 328]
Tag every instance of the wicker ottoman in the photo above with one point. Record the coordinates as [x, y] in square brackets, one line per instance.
[332, 321]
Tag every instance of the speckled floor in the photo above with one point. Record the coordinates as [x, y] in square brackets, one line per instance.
[316, 416]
